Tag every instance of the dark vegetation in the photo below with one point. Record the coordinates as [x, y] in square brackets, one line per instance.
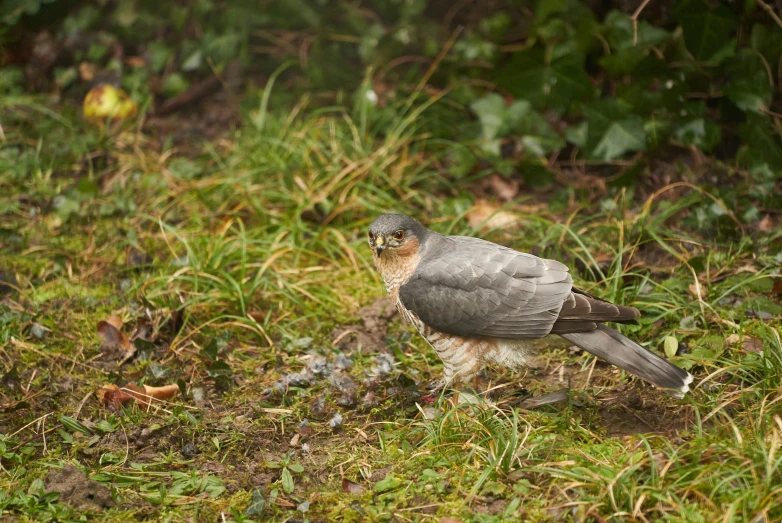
[210, 252]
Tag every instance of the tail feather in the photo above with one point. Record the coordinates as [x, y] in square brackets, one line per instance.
[609, 345]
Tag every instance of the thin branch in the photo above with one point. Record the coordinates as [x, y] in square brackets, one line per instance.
[770, 10]
[634, 18]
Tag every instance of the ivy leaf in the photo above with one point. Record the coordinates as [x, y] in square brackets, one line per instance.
[694, 128]
[490, 111]
[498, 121]
[749, 86]
[705, 31]
[611, 132]
[763, 144]
[554, 83]
[258, 503]
[627, 51]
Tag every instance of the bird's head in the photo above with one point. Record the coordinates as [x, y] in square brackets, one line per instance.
[395, 234]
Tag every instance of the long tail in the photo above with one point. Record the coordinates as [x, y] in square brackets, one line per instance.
[609, 345]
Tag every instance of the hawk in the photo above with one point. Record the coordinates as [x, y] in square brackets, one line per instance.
[476, 302]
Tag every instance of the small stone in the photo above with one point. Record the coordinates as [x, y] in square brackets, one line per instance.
[189, 451]
[336, 421]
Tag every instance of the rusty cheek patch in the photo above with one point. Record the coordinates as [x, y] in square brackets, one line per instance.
[408, 248]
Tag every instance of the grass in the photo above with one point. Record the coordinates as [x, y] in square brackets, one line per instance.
[246, 262]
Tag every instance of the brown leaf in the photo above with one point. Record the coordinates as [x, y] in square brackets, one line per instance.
[449, 519]
[752, 344]
[113, 397]
[112, 338]
[87, 71]
[485, 216]
[765, 224]
[748, 343]
[352, 487]
[777, 288]
[504, 190]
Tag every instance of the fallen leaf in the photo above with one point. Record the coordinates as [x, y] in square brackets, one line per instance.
[752, 344]
[87, 71]
[765, 224]
[748, 343]
[777, 288]
[112, 338]
[483, 216]
[504, 190]
[113, 397]
[449, 519]
[352, 487]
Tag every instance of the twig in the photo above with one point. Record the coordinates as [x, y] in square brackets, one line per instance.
[634, 18]
[771, 12]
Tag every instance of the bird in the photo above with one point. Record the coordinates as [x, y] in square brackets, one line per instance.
[478, 303]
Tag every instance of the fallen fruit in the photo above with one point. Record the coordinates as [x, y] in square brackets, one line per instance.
[108, 103]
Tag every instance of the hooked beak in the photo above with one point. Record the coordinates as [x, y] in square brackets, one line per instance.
[380, 245]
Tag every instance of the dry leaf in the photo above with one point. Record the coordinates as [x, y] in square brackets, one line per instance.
[449, 519]
[504, 190]
[752, 344]
[113, 397]
[87, 71]
[113, 340]
[777, 288]
[485, 216]
[352, 487]
[693, 288]
[748, 343]
[765, 224]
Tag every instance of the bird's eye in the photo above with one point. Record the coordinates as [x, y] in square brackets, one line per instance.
[371, 237]
[399, 235]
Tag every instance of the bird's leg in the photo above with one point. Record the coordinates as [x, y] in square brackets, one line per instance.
[458, 370]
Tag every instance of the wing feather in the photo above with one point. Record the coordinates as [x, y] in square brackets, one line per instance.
[476, 288]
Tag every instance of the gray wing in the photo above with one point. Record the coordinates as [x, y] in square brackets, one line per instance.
[471, 287]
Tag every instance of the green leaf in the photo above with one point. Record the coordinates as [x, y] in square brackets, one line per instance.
[490, 111]
[671, 346]
[763, 144]
[287, 481]
[296, 467]
[696, 129]
[159, 54]
[611, 132]
[175, 84]
[498, 121]
[258, 503]
[546, 83]
[74, 425]
[705, 31]
[387, 484]
[749, 87]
